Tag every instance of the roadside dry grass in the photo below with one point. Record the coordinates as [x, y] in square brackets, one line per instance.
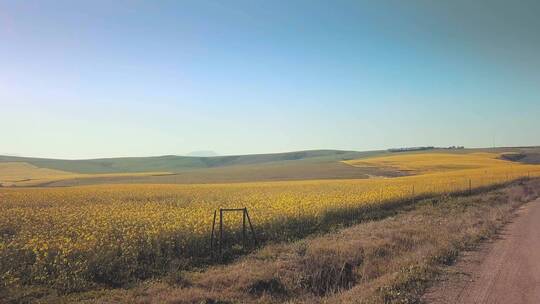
[391, 260]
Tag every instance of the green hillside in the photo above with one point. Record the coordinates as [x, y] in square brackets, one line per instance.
[301, 165]
[171, 163]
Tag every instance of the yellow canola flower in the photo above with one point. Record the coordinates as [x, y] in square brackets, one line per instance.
[65, 228]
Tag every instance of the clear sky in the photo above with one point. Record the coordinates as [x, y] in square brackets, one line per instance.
[83, 79]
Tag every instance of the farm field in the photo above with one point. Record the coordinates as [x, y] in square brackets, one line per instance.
[302, 165]
[316, 164]
[25, 174]
[174, 163]
[79, 238]
[18, 172]
[432, 162]
[391, 259]
[200, 152]
[281, 171]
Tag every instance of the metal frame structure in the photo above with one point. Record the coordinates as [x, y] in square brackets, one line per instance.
[245, 218]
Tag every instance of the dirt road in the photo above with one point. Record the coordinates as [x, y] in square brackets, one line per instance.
[506, 270]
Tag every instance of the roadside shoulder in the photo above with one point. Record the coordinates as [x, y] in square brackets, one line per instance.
[497, 271]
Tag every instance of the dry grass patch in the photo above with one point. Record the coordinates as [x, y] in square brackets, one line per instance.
[21, 174]
[14, 173]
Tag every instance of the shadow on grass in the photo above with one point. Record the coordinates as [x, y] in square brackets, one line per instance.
[174, 253]
[299, 227]
[186, 252]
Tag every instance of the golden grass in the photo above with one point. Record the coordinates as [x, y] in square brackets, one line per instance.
[423, 163]
[83, 237]
[13, 172]
[25, 174]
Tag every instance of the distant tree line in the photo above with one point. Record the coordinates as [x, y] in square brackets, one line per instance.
[408, 149]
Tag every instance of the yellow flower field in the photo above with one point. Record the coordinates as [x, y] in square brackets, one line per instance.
[82, 237]
[421, 163]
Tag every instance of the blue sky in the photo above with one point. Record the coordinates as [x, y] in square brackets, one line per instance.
[83, 79]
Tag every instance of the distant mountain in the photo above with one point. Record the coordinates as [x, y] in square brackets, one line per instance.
[10, 154]
[203, 153]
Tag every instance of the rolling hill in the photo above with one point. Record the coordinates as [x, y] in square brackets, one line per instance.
[171, 169]
[172, 163]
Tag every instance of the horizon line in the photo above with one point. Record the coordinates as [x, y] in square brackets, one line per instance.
[248, 154]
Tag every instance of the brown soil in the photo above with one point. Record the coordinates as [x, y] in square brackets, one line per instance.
[506, 270]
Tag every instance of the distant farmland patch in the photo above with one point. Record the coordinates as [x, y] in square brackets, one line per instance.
[424, 163]
[25, 174]
[278, 171]
[16, 172]
[523, 157]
